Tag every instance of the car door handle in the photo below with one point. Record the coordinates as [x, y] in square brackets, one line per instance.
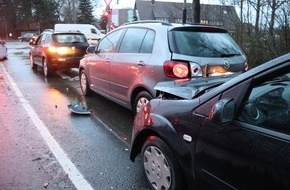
[107, 60]
[141, 63]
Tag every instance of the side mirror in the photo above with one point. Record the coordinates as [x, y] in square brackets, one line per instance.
[91, 49]
[223, 111]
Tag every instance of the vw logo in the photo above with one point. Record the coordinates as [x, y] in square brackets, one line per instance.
[226, 64]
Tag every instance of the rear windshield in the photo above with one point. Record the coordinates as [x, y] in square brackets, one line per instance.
[203, 44]
[69, 38]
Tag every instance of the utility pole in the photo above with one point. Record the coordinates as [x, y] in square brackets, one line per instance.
[184, 13]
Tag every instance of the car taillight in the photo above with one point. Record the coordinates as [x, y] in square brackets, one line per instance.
[59, 50]
[176, 69]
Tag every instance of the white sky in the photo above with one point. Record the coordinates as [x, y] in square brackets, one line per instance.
[130, 4]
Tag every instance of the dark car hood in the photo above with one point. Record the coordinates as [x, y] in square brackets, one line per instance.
[190, 88]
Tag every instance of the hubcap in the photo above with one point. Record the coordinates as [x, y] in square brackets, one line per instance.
[31, 61]
[83, 82]
[141, 102]
[157, 168]
[45, 67]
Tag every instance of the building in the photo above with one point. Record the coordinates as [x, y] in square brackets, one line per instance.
[217, 15]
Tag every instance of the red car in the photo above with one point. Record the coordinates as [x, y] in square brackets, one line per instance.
[57, 50]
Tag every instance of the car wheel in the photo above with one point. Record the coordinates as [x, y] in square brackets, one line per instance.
[84, 83]
[160, 166]
[141, 99]
[46, 68]
[32, 64]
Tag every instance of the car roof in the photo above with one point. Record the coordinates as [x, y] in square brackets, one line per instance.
[172, 26]
[51, 31]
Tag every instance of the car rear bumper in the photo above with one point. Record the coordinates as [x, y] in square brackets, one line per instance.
[65, 62]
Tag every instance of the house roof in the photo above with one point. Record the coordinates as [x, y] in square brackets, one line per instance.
[224, 16]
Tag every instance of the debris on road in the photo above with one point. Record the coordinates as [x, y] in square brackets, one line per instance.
[78, 108]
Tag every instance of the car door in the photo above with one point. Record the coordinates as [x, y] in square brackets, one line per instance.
[99, 62]
[129, 64]
[253, 151]
[37, 49]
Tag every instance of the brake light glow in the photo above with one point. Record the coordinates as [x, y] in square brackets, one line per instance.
[176, 69]
[59, 50]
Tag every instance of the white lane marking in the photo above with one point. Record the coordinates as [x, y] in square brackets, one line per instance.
[75, 176]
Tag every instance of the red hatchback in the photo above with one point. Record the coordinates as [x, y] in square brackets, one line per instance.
[57, 50]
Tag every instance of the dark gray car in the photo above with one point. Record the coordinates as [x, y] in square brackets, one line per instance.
[129, 61]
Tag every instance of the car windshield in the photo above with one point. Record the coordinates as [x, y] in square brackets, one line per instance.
[203, 44]
[69, 38]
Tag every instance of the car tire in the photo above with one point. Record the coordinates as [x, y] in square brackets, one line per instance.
[141, 99]
[32, 64]
[160, 166]
[84, 83]
[46, 68]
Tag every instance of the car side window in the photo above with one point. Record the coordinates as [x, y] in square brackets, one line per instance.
[41, 39]
[132, 40]
[148, 42]
[109, 44]
[268, 105]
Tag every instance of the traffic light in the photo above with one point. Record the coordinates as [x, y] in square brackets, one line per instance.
[106, 14]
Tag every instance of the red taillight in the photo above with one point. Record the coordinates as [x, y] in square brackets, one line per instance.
[176, 69]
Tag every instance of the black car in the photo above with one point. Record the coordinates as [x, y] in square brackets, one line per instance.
[57, 50]
[230, 135]
[26, 37]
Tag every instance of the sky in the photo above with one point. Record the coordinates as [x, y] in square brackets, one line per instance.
[130, 4]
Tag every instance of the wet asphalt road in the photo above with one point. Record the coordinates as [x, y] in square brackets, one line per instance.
[96, 144]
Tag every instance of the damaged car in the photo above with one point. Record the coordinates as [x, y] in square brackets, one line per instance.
[231, 133]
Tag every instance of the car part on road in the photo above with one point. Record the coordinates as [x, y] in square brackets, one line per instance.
[78, 108]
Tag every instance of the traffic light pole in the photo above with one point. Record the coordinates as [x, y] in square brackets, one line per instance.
[184, 13]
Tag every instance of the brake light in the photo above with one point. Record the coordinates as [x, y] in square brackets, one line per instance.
[176, 69]
[59, 50]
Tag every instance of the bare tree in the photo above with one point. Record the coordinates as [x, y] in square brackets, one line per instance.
[274, 5]
[69, 10]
